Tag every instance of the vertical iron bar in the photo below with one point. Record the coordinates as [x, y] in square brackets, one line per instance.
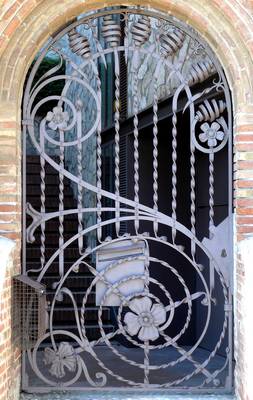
[24, 199]
[99, 156]
[231, 236]
[136, 142]
[42, 198]
[155, 156]
[80, 173]
[117, 140]
[61, 205]
[193, 198]
[174, 172]
[146, 363]
[211, 214]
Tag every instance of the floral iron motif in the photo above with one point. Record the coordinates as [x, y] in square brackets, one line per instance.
[145, 318]
[61, 359]
[211, 134]
[57, 118]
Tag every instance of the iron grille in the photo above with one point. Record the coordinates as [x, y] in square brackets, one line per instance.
[29, 310]
[123, 175]
[160, 175]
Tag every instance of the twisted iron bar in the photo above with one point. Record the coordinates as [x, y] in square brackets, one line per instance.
[99, 180]
[42, 205]
[61, 205]
[79, 45]
[136, 153]
[112, 34]
[146, 363]
[193, 199]
[174, 173]
[117, 141]
[155, 156]
[211, 194]
[79, 105]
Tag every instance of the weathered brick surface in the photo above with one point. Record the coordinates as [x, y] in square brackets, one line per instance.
[9, 349]
[226, 25]
[244, 320]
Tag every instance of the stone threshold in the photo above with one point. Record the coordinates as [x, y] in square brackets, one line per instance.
[95, 395]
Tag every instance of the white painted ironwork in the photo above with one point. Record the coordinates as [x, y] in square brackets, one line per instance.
[79, 44]
[121, 261]
[137, 277]
[171, 42]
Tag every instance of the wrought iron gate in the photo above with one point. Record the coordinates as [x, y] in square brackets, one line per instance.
[150, 247]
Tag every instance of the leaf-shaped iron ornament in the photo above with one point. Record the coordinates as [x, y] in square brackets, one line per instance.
[141, 31]
[210, 110]
[79, 44]
[111, 31]
[171, 42]
[200, 72]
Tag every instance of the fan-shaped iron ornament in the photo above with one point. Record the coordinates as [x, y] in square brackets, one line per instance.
[145, 301]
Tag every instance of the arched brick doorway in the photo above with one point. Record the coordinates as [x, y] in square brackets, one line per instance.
[234, 60]
[128, 264]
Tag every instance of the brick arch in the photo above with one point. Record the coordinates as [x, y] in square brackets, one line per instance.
[226, 25]
[27, 26]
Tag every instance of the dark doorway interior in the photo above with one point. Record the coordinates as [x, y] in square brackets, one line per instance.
[158, 250]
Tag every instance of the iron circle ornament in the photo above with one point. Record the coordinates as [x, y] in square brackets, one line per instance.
[32, 114]
[152, 347]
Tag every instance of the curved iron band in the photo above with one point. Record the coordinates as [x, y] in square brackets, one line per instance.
[170, 245]
[163, 219]
[200, 367]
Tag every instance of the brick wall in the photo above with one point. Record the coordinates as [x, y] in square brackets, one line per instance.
[227, 25]
[244, 320]
[9, 349]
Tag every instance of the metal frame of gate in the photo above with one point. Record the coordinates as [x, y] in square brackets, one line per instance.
[141, 317]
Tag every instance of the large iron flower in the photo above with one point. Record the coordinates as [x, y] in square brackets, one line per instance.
[57, 118]
[145, 318]
[211, 134]
[64, 357]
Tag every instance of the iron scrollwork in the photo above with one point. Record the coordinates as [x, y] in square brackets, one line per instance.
[143, 318]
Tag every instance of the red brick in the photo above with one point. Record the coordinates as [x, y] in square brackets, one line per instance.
[244, 138]
[9, 208]
[10, 12]
[244, 220]
[12, 26]
[11, 235]
[245, 165]
[244, 147]
[8, 125]
[245, 229]
[244, 202]
[243, 184]
[244, 128]
[25, 9]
